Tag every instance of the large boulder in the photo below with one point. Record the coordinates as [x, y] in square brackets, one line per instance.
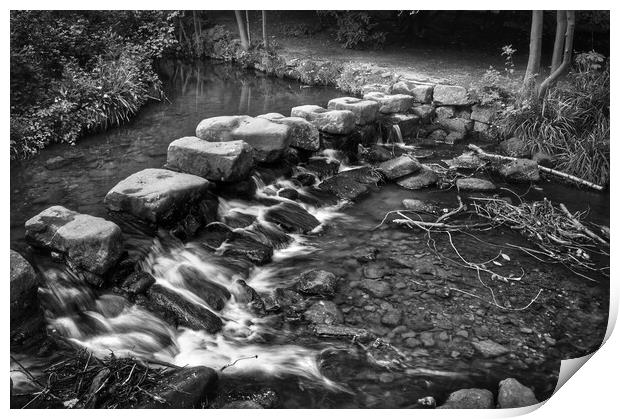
[399, 167]
[470, 398]
[88, 243]
[475, 185]
[450, 95]
[25, 313]
[514, 394]
[365, 110]
[520, 170]
[391, 103]
[421, 92]
[185, 388]
[350, 184]
[219, 161]
[291, 217]
[303, 134]
[317, 282]
[181, 312]
[330, 121]
[158, 195]
[423, 178]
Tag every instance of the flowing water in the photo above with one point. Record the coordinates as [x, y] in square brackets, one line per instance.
[256, 352]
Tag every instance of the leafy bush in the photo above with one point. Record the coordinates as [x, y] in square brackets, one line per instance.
[571, 122]
[75, 72]
[356, 29]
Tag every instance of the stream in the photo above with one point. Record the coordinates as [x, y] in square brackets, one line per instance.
[425, 316]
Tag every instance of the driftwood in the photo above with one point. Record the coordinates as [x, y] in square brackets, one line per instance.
[483, 154]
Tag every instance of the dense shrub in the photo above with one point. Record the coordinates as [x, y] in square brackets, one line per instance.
[571, 122]
[356, 29]
[75, 72]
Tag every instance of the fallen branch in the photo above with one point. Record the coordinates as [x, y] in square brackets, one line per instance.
[581, 227]
[557, 173]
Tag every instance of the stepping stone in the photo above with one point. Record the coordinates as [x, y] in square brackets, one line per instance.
[303, 134]
[450, 95]
[317, 282]
[391, 103]
[329, 121]
[268, 139]
[469, 398]
[350, 184]
[89, 243]
[474, 185]
[399, 167]
[422, 179]
[218, 161]
[365, 110]
[158, 195]
[421, 92]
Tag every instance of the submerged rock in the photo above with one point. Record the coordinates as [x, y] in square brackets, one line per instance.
[217, 161]
[399, 167]
[520, 170]
[176, 308]
[303, 134]
[343, 332]
[323, 167]
[397, 103]
[242, 404]
[421, 206]
[138, 283]
[329, 121]
[450, 95]
[351, 184]
[185, 388]
[323, 312]
[287, 300]
[162, 196]
[317, 282]
[475, 184]
[377, 154]
[212, 293]
[247, 295]
[490, 349]
[291, 217]
[423, 178]
[244, 245]
[470, 398]
[89, 243]
[376, 288]
[514, 394]
[365, 110]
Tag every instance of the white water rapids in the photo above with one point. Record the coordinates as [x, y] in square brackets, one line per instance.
[111, 324]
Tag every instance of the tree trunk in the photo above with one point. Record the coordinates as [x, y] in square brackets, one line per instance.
[196, 35]
[247, 24]
[265, 40]
[244, 37]
[558, 46]
[533, 62]
[568, 55]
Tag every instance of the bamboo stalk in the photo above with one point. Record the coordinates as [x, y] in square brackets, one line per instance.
[554, 172]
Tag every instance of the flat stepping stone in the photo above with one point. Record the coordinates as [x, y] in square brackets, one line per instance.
[391, 103]
[422, 179]
[268, 139]
[89, 243]
[475, 185]
[339, 122]
[365, 110]
[158, 195]
[399, 167]
[303, 134]
[218, 161]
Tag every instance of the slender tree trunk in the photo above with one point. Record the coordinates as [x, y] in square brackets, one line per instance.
[568, 55]
[244, 37]
[247, 24]
[195, 26]
[264, 19]
[533, 62]
[558, 46]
